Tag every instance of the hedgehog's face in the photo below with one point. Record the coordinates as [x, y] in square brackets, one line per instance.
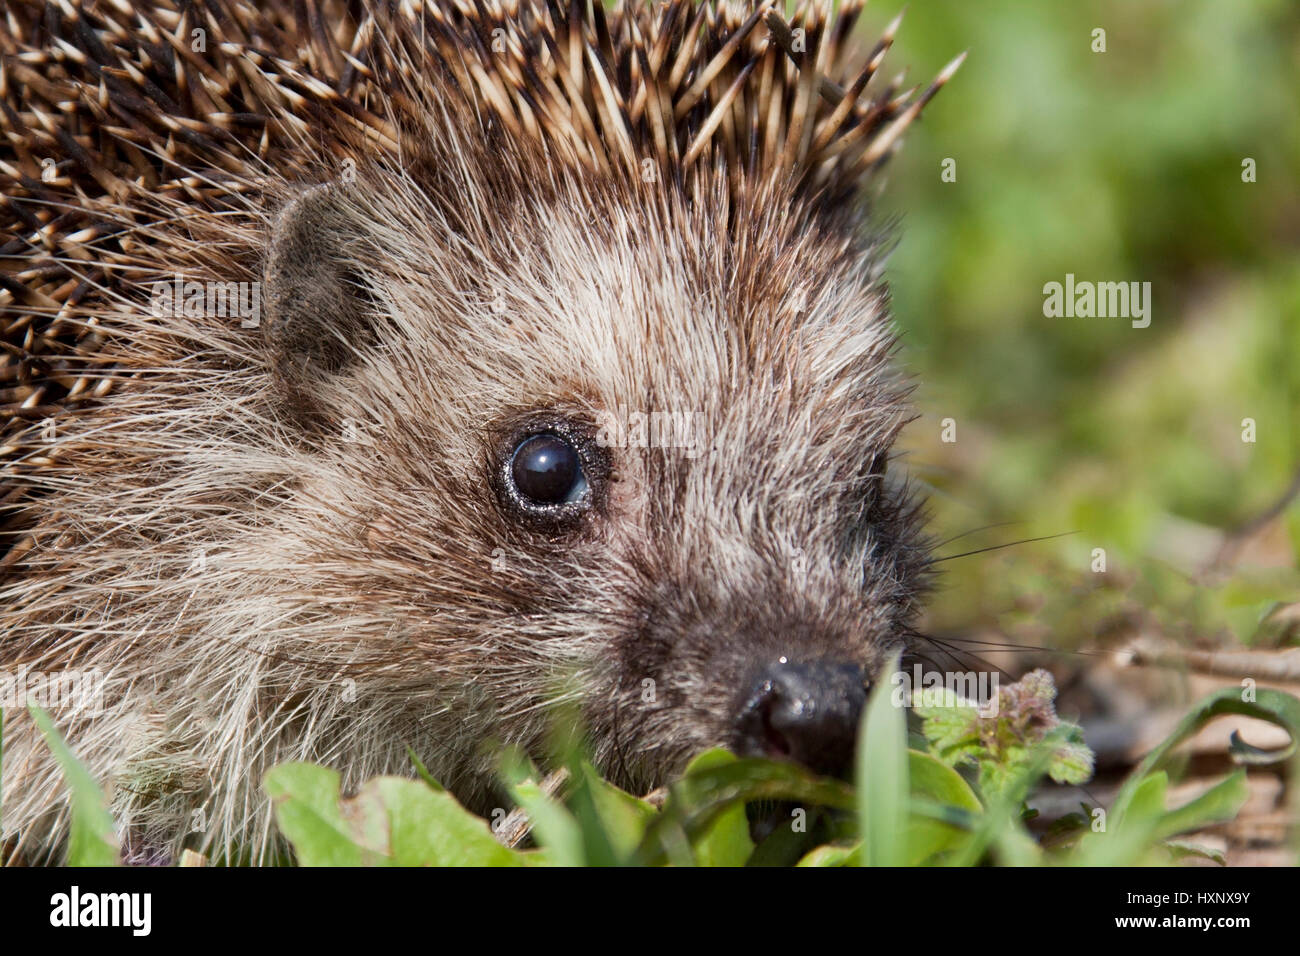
[615, 442]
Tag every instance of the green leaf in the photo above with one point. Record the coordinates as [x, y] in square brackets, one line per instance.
[930, 777]
[554, 827]
[308, 811]
[1180, 849]
[92, 841]
[1148, 802]
[1146, 822]
[1217, 805]
[1072, 762]
[725, 841]
[784, 845]
[1273, 706]
[882, 776]
[952, 730]
[695, 801]
[939, 830]
[429, 828]
[832, 855]
[392, 821]
[611, 820]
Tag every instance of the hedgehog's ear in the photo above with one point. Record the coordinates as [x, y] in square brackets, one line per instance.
[317, 309]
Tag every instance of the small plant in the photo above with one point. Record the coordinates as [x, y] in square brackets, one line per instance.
[1004, 745]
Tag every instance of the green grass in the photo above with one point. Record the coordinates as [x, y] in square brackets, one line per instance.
[954, 794]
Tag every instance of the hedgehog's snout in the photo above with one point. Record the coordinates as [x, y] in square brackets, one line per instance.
[804, 711]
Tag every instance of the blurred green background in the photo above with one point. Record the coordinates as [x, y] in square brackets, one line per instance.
[1117, 166]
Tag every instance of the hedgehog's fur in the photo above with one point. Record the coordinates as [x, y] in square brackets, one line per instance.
[470, 217]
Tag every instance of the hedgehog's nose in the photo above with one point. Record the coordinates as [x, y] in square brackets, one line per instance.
[807, 712]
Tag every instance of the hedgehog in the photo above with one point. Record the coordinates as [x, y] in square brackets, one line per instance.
[377, 380]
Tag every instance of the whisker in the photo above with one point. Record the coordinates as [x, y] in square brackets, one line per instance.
[999, 547]
[1013, 646]
[964, 534]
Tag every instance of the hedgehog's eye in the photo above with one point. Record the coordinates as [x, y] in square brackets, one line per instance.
[546, 470]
